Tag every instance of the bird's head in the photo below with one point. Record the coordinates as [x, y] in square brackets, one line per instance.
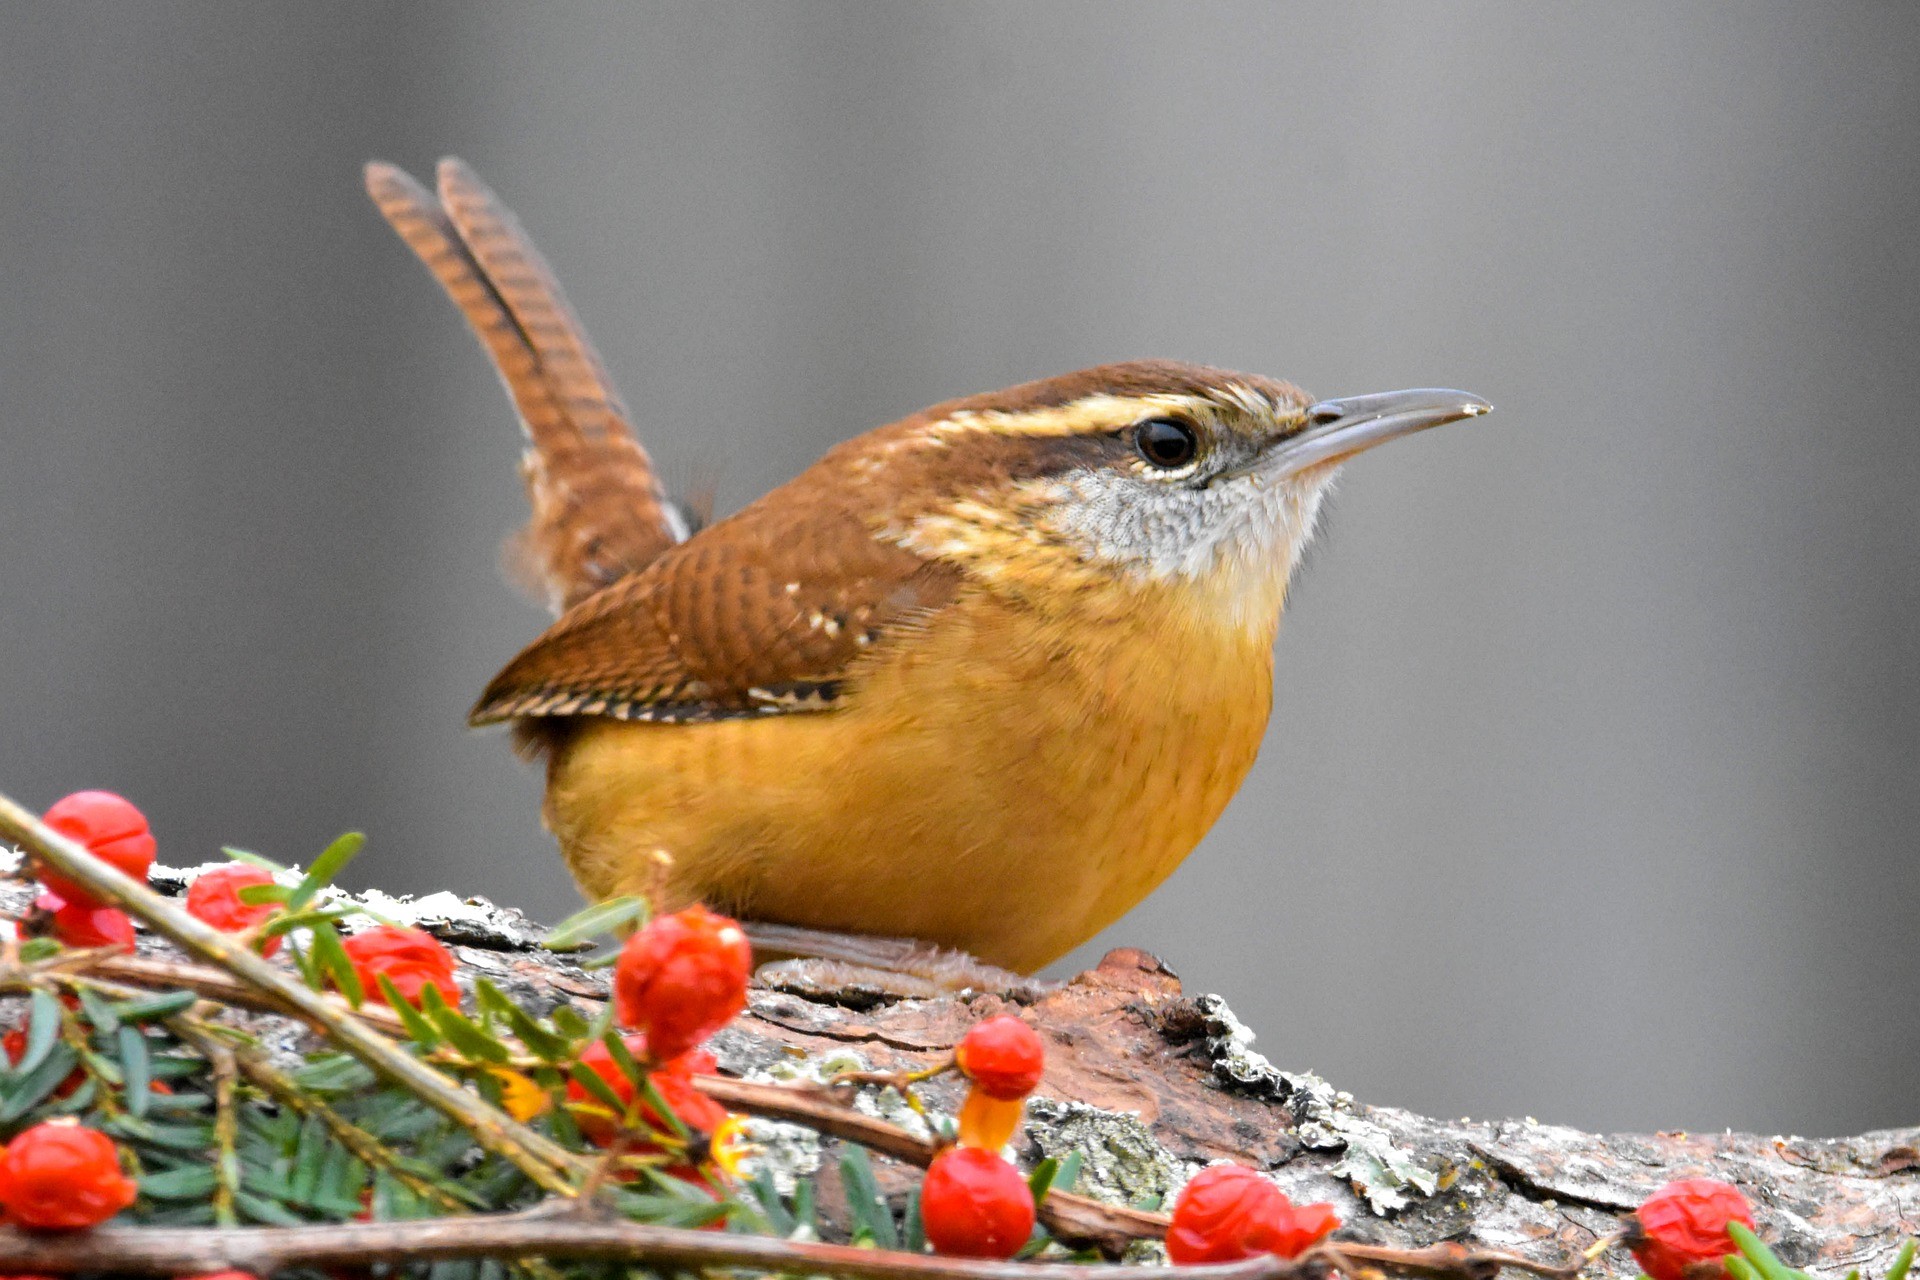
[1151, 473]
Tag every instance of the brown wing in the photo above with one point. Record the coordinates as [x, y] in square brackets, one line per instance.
[599, 510]
[763, 613]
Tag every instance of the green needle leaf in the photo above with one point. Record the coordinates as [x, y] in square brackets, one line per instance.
[869, 1209]
[915, 1235]
[188, 1182]
[330, 955]
[419, 1029]
[580, 928]
[568, 1022]
[1903, 1261]
[659, 1106]
[1763, 1259]
[136, 1069]
[29, 1089]
[44, 1030]
[332, 860]
[287, 922]
[252, 858]
[538, 1040]
[154, 1008]
[98, 1012]
[461, 1032]
[1040, 1181]
[590, 1080]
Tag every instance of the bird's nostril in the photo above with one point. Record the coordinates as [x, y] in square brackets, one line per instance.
[1325, 412]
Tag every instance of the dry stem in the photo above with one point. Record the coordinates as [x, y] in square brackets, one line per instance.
[536, 1233]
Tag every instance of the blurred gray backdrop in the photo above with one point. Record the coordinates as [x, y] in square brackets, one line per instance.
[1592, 789]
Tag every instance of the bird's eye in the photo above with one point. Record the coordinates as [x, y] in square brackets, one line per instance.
[1166, 442]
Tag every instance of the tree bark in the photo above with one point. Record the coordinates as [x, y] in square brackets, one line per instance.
[1149, 1082]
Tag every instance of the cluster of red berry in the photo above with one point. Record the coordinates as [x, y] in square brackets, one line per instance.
[117, 833]
[113, 831]
[679, 979]
[974, 1204]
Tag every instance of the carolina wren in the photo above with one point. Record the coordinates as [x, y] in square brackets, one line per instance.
[982, 677]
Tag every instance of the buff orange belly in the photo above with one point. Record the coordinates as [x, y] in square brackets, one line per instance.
[986, 789]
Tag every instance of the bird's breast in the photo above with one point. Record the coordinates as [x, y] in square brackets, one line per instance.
[1009, 780]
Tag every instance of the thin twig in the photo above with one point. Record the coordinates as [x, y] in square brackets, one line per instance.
[550, 1165]
[536, 1233]
[156, 973]
[226, 1130]
[1448, 1261]
[363, 1146]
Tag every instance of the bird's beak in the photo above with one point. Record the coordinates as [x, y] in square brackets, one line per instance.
[1335, 430]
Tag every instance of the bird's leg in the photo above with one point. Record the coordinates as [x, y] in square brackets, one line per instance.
[820, 962]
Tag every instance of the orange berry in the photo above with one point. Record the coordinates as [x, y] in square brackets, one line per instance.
[988, 1122]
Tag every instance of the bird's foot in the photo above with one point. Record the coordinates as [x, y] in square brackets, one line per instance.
[867, 970]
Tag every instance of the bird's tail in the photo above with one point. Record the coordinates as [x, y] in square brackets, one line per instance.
[599, 509]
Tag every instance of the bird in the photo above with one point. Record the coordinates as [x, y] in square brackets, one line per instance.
[977, 680]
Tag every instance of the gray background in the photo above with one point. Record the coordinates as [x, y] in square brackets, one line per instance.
[1591, 789]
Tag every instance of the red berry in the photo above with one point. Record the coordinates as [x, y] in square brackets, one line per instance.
[60, 1176]
[214, 899]
[1229, 1212]
[973, 1204]
[112, 830]
[1003, 1056]
[1680, 1233]
[681, 978]
[85, 923]
[672, 1080]
[411, 959]
[1298, 1227]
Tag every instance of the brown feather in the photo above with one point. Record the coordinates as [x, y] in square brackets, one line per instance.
[599, 510]
[768, 612]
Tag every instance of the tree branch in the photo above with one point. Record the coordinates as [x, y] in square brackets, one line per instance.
[536, 1233]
